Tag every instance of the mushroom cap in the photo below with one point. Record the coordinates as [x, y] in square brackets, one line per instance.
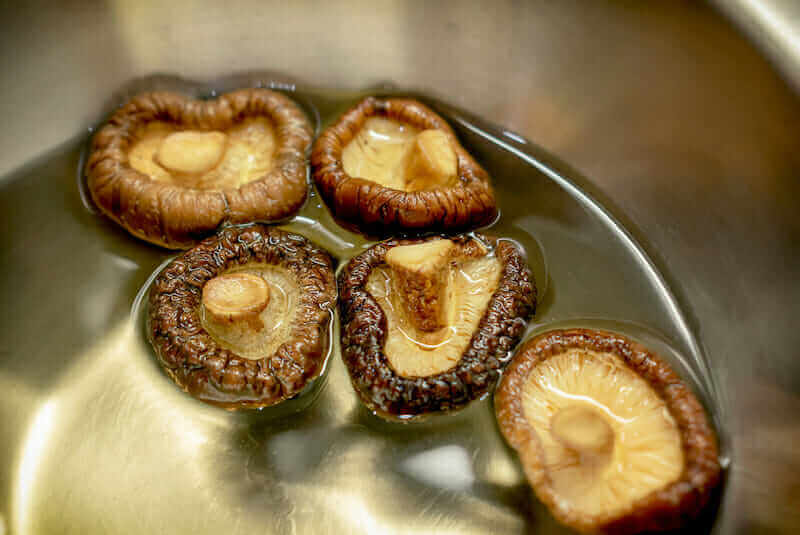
[364, 334]
[679, 496]
[175, 215]
[203, 365]
[375, 209]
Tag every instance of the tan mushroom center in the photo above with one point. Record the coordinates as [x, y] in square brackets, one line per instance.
[400, 156]
[607, 438]
[209, 160]
[250, 311]
[236, 297]
[583, 430]
[420, 281]
[433, 297]
[190, 152]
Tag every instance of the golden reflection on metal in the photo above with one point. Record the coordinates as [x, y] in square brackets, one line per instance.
[696, 143]
[125, 451]
[33, 448]
[119, 447]
[352, 510]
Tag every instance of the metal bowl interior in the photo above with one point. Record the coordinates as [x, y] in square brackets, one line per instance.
[115, 421]
[683, 235]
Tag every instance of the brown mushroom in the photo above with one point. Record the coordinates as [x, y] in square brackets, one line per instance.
[171, 169]
[428, 325]
[241, 320]
[610, 438]
[393, 165]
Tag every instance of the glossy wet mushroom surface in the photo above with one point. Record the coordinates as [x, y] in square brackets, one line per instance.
[428, 325]
[393, 165]
[242, 319]
[172, 169]
[610, 438]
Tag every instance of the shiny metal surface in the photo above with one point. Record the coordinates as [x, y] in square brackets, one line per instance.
[775, 26]
[681, 127]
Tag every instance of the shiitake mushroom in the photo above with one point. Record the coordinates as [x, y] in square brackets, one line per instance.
[610, 438]
[241, 320]
[392, 166]
[171, 169]
[428, 324]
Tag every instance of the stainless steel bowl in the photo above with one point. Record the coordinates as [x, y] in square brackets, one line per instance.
[682, 128]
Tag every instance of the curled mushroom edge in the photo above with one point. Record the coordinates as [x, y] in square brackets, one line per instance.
[392, 165]
[403, 362]
[172, 170]
[243, 319]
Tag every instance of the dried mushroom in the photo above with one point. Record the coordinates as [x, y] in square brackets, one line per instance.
[393, 165]
[610, 438]
[171, 169]
[428, 325]
[241, 320]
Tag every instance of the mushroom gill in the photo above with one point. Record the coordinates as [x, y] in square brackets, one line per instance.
[427, 325]
[611, 439]
[433, 295]
[401, 156]
[207, 160]
[250, 310]
[172, 169]
[390, 166]
[607, 439]
[241, 320]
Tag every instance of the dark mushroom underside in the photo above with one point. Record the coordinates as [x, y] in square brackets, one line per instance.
[177, 216]
[378, 210]
[364, 331]
[667, 508]
[198, 362]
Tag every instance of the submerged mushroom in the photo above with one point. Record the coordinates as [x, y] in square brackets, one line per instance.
[427, 325]
[171, 169]
[391, 165]
[610, 438]
[241, 320]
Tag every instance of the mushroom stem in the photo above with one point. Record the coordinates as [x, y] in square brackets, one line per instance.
[236, 299]
[420, 280]
[190, 152]
[430, 161]
[583, 430]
